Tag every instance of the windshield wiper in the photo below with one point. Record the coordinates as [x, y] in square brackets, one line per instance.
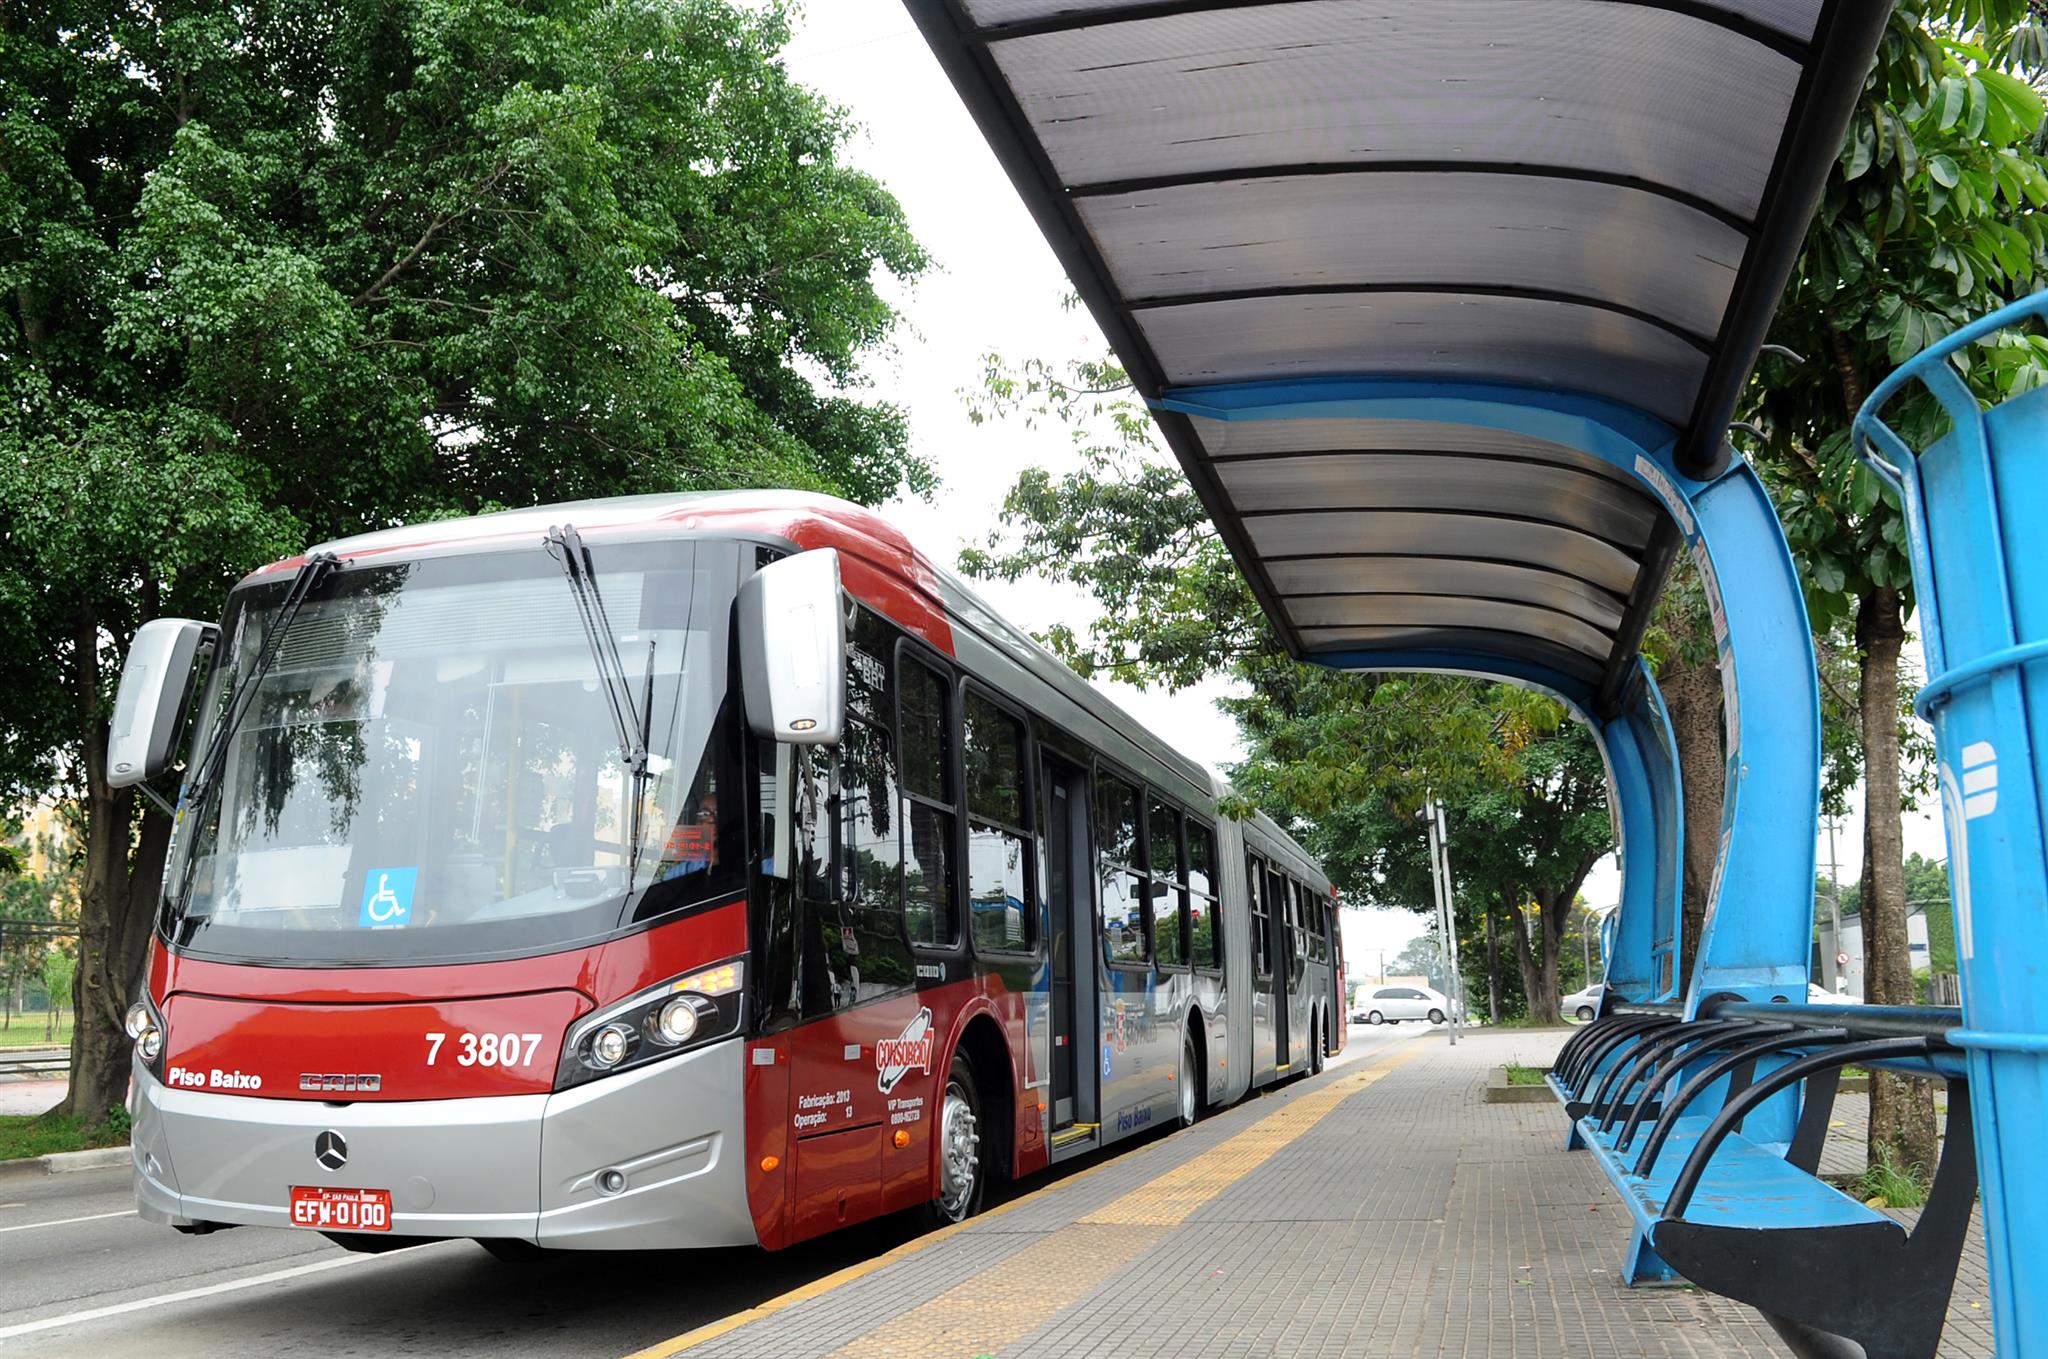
[634, 722]
[207, 765]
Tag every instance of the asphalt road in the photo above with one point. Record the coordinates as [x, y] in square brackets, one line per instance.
[80, 1274]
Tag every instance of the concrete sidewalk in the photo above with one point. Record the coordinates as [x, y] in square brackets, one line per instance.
[1382, 1209]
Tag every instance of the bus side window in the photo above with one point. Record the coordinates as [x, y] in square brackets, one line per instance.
[1255, 887]
[1205, 949]
[1122, 894]
[1168, 891]
[870, 870]
[931, 806]
[1001, 904]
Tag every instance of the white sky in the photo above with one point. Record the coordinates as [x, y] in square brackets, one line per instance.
[995, 285]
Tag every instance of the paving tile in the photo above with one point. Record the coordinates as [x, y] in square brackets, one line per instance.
[1408, 1218]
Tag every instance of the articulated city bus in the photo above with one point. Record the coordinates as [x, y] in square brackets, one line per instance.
[688, 870]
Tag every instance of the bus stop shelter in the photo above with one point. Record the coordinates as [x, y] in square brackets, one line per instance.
[1444, 308]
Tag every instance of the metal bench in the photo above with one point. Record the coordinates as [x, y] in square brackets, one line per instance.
[1751, 1218]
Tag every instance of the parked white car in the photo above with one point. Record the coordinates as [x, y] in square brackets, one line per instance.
[1582, 1004]
[1392, 1004]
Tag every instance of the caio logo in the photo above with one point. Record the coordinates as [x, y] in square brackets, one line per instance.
[910, 1050]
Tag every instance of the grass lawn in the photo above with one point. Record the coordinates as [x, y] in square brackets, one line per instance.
[39, 1135]
[1524, 1075]
[27, 1031]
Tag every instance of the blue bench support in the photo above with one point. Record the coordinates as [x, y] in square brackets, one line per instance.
[1975, 505]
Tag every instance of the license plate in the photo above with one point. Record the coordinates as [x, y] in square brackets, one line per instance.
[341, 1210]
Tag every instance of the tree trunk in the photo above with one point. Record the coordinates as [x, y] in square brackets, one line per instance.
[1692, 693]
[116, 904]
[1525, 958]
[1492, 968]
[1901, 1109]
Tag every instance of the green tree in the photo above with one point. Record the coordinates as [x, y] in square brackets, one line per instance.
[59, 968]
[288, 270]
[1930, 217]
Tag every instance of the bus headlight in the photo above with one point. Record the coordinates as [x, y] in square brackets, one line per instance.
[610, 1045]
[146, 1027]
[679, 1014]
[677, 1021]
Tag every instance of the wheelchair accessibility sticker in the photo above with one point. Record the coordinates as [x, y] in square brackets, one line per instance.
[387, 898]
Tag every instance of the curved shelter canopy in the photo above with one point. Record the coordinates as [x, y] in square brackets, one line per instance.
[1594, 198]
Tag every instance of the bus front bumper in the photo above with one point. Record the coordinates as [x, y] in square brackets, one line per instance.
[525, 1167]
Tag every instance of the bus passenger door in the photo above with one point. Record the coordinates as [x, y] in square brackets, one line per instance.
[1070, 926]
[1280, 956]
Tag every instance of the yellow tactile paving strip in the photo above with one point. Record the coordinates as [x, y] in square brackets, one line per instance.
[984, 1314]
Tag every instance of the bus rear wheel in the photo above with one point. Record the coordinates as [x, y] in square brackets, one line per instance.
[1190, 1096]
[963, 1154]
[1315, 1048]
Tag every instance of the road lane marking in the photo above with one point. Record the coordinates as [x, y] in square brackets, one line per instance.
[189, 1294]
[63, 1221]
[1156, 1207]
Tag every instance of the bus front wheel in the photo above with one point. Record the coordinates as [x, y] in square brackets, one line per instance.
[963, 1153]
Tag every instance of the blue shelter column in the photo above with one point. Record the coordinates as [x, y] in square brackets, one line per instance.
[1975, 502]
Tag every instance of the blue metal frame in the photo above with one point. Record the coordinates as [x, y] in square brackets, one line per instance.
[1974, 501]
[1757, 940]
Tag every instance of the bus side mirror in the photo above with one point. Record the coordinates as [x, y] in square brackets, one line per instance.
[156, 693]
[793, 649]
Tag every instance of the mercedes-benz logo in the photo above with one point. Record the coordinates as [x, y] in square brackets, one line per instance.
[330, 1149]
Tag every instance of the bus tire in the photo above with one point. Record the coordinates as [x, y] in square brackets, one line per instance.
[1315, 1047]
[1190, 1107]
[963, 1149]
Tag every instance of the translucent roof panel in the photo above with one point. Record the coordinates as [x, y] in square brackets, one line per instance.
[1483, 537]
[1383, 481]
[1370, 573]
[1552, 200]
[1598, 241]
[1229, 440]
[1795, 19]
[1583, 84]
[1515, 339]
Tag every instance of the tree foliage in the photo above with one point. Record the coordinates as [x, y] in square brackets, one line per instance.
[284, 271]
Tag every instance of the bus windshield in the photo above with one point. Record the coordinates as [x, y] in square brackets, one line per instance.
[430, 770]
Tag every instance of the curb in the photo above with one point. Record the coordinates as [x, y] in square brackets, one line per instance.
[65, 1162]
[1498, 1091]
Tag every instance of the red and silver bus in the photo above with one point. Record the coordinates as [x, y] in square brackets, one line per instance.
[685, 870]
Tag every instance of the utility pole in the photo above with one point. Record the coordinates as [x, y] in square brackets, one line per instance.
[1440, 871]
[1830, 970]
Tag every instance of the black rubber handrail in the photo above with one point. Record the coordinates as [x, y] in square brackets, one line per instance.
[1873, 1021]
[1625, 1068]
[1714, 1071]
[1646, 1066]
[1670, 1074]
[1605, 1033]
[1735, 1110]
[1588, 1061]
[1577, 1042]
